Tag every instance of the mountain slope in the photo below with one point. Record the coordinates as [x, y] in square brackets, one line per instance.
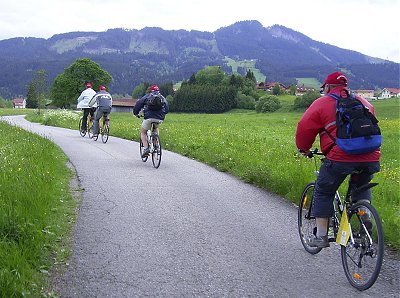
[157, 55]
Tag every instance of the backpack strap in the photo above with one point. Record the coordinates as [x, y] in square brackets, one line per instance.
[336, 97]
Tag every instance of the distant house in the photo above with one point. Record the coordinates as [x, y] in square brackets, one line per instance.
[123, 105]
[19, 103]
[390, 92]
[301, 90]
[367, 94]
[270, 86]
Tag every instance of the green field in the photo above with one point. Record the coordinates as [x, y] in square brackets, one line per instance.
[309, 82]
[37, 212]
[248, 65]
[258, 148]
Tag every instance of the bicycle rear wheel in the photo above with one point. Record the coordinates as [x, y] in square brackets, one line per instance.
[106, 133]
[306, 223]
[144, 159]
[156, 154]
[363, 255]
[81, 132]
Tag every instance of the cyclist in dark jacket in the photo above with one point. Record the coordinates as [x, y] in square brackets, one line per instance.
[103, 103]
[150, 115]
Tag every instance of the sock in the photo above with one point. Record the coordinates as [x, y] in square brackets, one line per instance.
[322, 226]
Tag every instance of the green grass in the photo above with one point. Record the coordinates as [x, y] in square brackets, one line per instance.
[246, 64]
[260, 149]
[36, 212]
[4, 112]
[309, 82]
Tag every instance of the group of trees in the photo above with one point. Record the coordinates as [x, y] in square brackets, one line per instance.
[210, 90]
[66, 86]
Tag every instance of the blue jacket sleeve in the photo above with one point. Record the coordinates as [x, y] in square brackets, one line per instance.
[139, 105]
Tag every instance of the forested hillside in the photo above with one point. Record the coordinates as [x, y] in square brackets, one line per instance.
[157, 55]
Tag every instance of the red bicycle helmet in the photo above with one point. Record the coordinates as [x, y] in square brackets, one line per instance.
[101, 88]
[154, 88]
[88, 85]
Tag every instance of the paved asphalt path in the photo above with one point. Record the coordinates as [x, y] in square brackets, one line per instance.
[187, 230]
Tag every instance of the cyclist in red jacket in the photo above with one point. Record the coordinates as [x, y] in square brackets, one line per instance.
[317, 119]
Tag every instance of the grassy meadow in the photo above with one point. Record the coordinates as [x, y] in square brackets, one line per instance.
[36, 212]
[258, 148]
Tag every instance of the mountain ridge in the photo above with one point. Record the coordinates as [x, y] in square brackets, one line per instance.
[153, 54]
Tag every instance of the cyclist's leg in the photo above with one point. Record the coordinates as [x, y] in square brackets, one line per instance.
[84, 119]
[330, 176]
[146, 125]
[97, 117]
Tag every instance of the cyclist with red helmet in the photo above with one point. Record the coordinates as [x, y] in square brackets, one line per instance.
[83, 103]
[151, 113]
[103, 103]
[320, 119]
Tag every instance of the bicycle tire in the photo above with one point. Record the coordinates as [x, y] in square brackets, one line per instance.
[157, 151]
[105, 134]
[81, 132]
[141, 147]
[307, 224]
[361, 258]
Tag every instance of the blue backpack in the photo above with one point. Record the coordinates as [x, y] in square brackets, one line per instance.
[357, 129]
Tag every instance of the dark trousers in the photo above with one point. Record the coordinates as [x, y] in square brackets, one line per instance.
[331, 176]
[86, 113]
[101, 111]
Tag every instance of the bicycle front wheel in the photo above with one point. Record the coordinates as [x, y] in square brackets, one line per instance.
[306, 223]
[81, 132]
[156, 154]
[105, 134]
[363, 255]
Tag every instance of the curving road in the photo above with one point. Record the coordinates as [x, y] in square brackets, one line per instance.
[187, 230]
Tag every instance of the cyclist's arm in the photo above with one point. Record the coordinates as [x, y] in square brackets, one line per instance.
[138, 106]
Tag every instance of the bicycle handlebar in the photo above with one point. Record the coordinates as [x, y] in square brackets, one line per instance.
[311, 153]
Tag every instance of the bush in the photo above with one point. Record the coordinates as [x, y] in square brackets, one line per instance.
[5, 103]
[268, 103]
[304, 101]
[245, 101]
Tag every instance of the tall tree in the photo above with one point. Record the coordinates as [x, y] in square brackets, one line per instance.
[38, 90]
[250, 75]
[211, 75]
[68, 85]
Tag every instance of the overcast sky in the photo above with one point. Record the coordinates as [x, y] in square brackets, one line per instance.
[367, 26]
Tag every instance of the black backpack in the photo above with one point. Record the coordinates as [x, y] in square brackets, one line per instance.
[155, 102]
[357, 129]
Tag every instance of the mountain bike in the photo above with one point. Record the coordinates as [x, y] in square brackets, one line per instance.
[355, 226]
[104, 126]
[89, 127]
[153, 139]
